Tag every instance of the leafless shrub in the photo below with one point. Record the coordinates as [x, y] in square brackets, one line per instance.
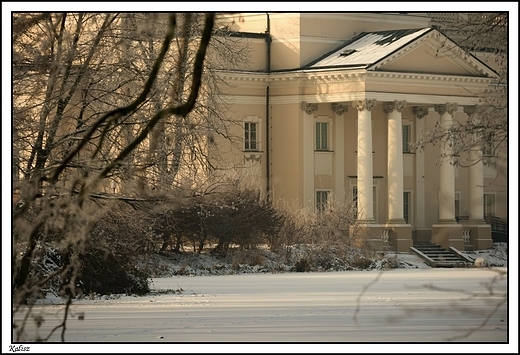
[238, 215]
[328, 238]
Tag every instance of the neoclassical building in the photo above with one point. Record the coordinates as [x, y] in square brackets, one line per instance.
[330, 105]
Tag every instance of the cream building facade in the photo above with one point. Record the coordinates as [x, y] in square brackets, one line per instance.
[330, 105]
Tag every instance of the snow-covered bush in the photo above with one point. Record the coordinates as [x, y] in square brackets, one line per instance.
[105, 273]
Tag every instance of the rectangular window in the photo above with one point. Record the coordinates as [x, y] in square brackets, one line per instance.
[489, 205]
[321, 200]
[322, 142]
[406, 206]
[250, 129]
[374, 199]
[457, 205]
[488, 150]
[406, 139]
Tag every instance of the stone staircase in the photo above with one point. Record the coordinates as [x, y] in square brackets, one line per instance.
[435, 256]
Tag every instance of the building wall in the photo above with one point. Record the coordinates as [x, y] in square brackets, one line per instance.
[300, 38]
[287, 154]
[287, 160]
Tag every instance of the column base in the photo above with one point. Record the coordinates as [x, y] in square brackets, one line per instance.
[369, 235]
[400, 236]
[448, 235]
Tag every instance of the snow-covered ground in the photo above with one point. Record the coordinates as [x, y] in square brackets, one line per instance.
[189, 264]
[341, 311]
[372, 308]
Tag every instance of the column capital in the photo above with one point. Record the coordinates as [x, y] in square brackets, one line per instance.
[470, 110]
[309, 108]
[420, 112]
[339, 109]
[361, 105]
[446, 108]
[394, 105]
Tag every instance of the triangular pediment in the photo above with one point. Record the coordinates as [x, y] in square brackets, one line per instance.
[425, 51]
[425, 59]
[433, 54]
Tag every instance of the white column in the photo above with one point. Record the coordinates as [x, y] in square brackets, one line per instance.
[476, 176]
[364, 161]
[339, 151]
[420, 212]
[447, 168]
[308, 153]
[395, 161]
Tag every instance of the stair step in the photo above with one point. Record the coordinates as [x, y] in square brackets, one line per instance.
[446, 260]
[440, 256]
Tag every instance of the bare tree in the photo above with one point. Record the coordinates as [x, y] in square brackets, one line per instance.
[182, 147]
[75, 125]
[484, 35]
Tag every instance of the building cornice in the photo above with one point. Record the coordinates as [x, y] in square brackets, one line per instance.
[311, 78]
[374, 77]
[411, 99]
[244, 79]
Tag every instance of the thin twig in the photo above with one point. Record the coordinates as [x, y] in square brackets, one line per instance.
[358, 301]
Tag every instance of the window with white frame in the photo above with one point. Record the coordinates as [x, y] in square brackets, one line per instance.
[322, 197]
[251, 133]
[322, 136]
